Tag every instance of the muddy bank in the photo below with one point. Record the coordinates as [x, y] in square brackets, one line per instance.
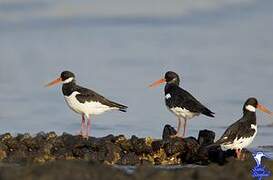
[79, 169]
[112, 149]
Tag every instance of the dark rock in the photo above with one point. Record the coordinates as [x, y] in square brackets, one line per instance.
[120, 138]
[174, 145]
[190, 155]
[112, 149]
[112, 153]
[206, 137]
[140, 146]
[168, 132]
[51, 136]
[126, 145]
[202, 156]
[129, 159]
[157, 145]
[5, 137]
[41, 135]
[17, 156]
[157, 161]
[3, 147]
[22, 137]
[217, 155]
[110, 138]
[3, 151]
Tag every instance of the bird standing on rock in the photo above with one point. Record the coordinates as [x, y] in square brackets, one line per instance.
[180, 102]
[84, 101]
[241, 133]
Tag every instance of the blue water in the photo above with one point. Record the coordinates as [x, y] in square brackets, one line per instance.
[223, 54]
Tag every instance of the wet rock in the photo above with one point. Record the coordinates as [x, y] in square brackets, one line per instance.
[22, 137]
[112, 153]
[173, 146]
[3, 149]
[51, 136]
[111, 149]
[216, 155]
[190, 154]
[141, 145]
[168, 132]
[157, 145]
[126, 145]
[206, 137]
[160, 157]
[5, 137]
[129, 159]
[110, 138]
[202, 156]
[17, 156]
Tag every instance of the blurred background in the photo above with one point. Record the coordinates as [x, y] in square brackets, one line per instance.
[222, 49]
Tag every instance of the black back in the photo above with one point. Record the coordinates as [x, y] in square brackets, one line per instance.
[241, 128]
[182, 98]
[89, 95]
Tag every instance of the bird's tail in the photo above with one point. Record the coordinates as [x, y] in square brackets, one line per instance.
[208, 112]
[120, 107]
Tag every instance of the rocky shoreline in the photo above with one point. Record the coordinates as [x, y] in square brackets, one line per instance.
[49, 156]
[112, 149]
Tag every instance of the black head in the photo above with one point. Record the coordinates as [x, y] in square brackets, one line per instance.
[67, 76]
[172, 77]
[250, 105]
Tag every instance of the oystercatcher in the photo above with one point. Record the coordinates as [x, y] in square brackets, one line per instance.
[180, 102]
[241, 133]
[84, 101]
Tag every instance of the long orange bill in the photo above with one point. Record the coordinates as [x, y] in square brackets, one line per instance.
[264, 109]
[56, 81]
[158, 82]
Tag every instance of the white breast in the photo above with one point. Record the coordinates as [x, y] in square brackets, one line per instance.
[183, 113]
[87, 108]
[241, 142]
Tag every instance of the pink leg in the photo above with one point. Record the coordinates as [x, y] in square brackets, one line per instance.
[83, 128]
[88, 126]
[238, 154]
[178, 126]
[184, 130]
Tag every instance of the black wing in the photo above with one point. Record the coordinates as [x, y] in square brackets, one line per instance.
[89, 95]
[182, 98]
[236, 130]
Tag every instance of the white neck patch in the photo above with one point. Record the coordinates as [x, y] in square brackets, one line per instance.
[250, 108]
[168, 96]
[68, 80]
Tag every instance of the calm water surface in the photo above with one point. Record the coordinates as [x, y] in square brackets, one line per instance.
[224, 56]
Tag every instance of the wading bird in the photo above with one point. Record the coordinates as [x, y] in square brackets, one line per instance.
[84, 101]
[180, 102]
[241, 133]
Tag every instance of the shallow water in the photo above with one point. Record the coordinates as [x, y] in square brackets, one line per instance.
[224, 55]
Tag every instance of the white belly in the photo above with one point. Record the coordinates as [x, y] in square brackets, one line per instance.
[241, 142]
[183, 113]
[87, 108]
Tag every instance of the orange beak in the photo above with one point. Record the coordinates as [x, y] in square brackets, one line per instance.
[264, 109]
[158, 82]
[56, 81]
